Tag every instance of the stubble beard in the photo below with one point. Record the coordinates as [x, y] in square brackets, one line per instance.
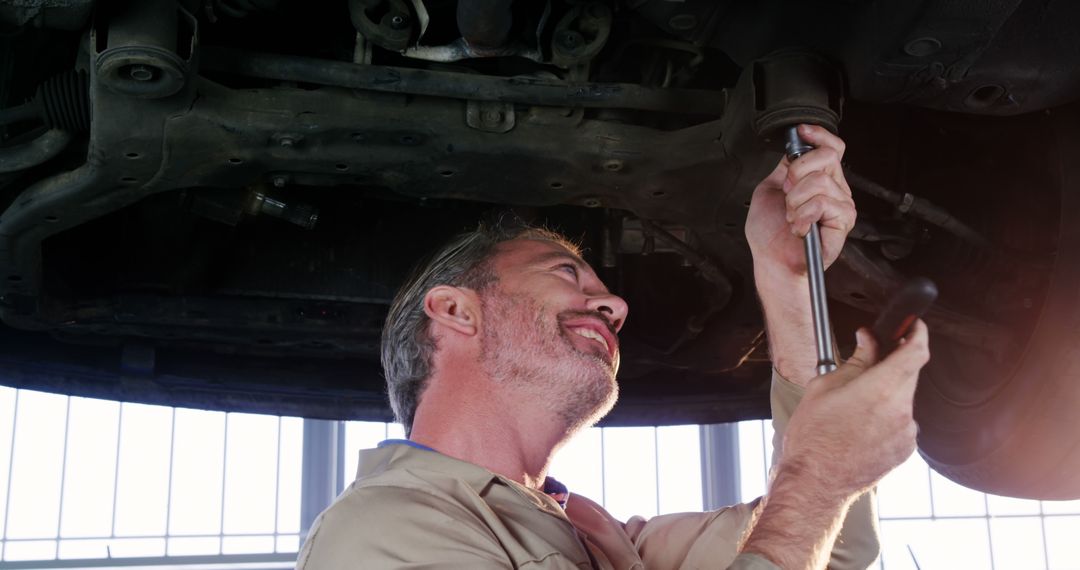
[525, 348]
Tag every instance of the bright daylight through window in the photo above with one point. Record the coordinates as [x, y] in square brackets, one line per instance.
[85, 479]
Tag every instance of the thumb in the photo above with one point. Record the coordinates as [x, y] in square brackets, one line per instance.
[866, 352]
[864, 357]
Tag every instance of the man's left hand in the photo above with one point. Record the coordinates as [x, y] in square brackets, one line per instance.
[798, 193]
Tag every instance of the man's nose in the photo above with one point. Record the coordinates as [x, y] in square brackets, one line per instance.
[611, 306]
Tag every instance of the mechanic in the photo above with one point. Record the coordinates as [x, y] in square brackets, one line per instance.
[503, 346]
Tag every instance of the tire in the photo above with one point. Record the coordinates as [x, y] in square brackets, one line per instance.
[1011, 427]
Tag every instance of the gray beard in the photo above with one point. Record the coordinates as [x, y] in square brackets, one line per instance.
[536, 358]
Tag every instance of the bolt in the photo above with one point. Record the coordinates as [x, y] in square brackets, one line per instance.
[279, 181]
[570, 40]
[491, 117]
[140, 72]
[922, 47]
[683, 22]
[895, 251]
[591, 203]
[286, 142]
[399, 22]
[613, 165]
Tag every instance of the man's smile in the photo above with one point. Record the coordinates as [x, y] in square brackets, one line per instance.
[589, 333]
[597, 331]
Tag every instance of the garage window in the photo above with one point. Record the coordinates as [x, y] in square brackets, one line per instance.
[88, 479]
[94, 483]
[928, 521]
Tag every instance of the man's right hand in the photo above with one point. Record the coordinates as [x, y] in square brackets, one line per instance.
[852, 427]
[855, 424]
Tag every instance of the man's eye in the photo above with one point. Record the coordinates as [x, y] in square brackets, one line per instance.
[569, 268]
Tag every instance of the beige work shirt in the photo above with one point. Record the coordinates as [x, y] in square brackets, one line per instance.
[418, 509]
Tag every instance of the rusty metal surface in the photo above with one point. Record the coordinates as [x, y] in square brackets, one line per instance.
[256, 193]
[521, 89]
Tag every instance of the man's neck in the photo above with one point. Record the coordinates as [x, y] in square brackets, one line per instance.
[515, 439]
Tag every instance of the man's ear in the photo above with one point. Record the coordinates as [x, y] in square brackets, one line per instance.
[454, 307]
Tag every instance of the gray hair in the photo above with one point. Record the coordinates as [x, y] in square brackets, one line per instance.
[407, 345]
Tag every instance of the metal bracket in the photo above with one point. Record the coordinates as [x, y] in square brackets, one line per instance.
[905, 203]
[490, 116]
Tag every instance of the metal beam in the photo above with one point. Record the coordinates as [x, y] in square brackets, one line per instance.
[474, 87]
[321, 470]
[214, 562]
[720, 484]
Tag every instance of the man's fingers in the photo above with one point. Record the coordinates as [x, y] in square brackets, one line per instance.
[812, 185]
[773, 183]
[866, 349]
[832, 213]
[864, 356]
[914, 350]
[820, 137]
[775, 179]
[825, 160]
[904, 363]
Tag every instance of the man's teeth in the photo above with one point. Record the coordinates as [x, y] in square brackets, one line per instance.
[589, 333]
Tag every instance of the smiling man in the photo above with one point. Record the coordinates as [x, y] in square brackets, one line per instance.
[504, 345]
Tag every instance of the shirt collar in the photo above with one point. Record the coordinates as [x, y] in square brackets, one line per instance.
[552, 487]
[409, 443]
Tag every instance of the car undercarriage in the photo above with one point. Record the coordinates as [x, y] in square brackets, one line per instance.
[211, 204]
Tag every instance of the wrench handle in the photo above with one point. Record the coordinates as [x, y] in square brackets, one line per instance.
[815, 267]
[910, 302]
[819, 305]
[794, 146]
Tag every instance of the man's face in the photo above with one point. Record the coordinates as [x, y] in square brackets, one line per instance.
[550, 329]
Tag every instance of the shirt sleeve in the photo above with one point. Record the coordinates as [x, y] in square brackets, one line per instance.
[857, 546]
[395, 527]
[691, 540]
